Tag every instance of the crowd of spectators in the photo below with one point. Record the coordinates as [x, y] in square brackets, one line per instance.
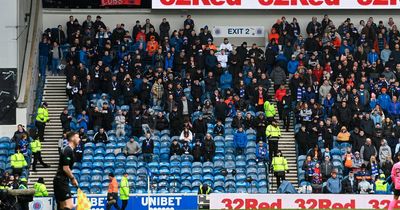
[343, 85]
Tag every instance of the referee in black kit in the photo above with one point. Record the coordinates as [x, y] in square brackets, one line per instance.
[62, 192]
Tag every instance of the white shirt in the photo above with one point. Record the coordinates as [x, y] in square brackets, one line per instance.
[222, 59]
[227, 47]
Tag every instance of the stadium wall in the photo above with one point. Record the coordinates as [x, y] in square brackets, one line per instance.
[266, 18]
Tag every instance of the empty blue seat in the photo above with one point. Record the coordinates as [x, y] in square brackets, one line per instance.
[220, 150]
[97, 164]
[186, 164]
[229, 164]
[196, 184]
[175, 158]
[131, 164]
[5, 145]
[187, 158]
[84, 178]
[220, 143]
[5, 139]
[87, 165]
[131, 170]
[175, 164]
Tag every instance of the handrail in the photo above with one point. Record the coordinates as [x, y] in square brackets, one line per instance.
[29, 77]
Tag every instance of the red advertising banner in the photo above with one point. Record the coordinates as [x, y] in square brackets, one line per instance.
[275, 4]
[120, 2]
[299, 201]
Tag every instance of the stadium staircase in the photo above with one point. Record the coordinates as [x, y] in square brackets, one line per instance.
[54, 95]
[287, 145]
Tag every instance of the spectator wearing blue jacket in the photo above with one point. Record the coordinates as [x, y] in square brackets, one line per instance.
[384, 100]
[262, 152]
[83, 56]
[394, 108]
[372, 56]
[225, 80]
[169, 61]
[345, 46]
[240, 141]
[333, 185]
[176, 42]
[292, 66]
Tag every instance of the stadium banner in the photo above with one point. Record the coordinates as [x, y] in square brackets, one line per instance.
[275, 4]
[120, 2]
[238, 31]
[299, 201]
[145, 202]
[41, 203]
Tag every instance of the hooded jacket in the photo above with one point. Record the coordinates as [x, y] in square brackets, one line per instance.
[384, 151]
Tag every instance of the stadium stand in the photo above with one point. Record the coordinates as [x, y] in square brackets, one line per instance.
[334, 94]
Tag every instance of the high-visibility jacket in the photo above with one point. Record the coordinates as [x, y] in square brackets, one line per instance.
[22, 187]
[40, 190]
[124, 190]
[113, 186]
[279, 164]
[42, 115]
[36, 146]
[272, 132]
[208, 191]
[18, 160]
[381, 188]
[269, 109]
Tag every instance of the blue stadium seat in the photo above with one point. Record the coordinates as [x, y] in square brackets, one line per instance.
[251, 144]
[5, 145]
[186, 164]
[5, 139]
[187, 158]
[4, 152]
[229, 164]
[241, 163]
[84, 178]
[88, 151]
[196, 184]
[98, 165]
[219, 164]
[220, 150]
[87, 165]
[197, 171]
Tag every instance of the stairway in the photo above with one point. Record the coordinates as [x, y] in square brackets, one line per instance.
[287, 145]
[54, 95]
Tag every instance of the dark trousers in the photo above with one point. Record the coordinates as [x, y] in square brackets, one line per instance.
[286, 119]
[273, 148]
[108, 207]
[37, 156]
[279, 178]
[112, 197]
[124, 204]
[208, 156]
[17, 171]
[40, 128]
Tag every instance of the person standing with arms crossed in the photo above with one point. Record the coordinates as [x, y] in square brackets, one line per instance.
[124, 191]
[62, 192]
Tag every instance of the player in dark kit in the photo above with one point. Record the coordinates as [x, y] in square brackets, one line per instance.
[62, 192]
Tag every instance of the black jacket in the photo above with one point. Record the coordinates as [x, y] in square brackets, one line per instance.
[175, 149]
[347, 187]
[148, 146]
[65, 121]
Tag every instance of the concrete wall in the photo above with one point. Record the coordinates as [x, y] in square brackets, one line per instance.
[8, 27]
[266, 18]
